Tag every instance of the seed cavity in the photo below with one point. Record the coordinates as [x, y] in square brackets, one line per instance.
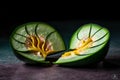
[85, 44]
[38, 45]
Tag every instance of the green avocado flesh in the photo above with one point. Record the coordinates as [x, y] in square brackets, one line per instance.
[89, 43]
[32, 42]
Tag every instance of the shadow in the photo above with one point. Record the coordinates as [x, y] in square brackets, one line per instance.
[91, 66]
[113, 63]
[28, 65]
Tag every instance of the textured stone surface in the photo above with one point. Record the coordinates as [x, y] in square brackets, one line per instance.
[29, 72]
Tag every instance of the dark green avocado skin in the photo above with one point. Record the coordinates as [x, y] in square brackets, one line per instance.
[91, 60]
[30, 61]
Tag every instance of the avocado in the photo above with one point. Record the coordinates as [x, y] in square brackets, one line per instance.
[32, 42]
[88, 45]
[40, 43]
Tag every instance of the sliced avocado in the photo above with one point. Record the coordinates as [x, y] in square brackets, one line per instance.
[32, 42]
[90, 44]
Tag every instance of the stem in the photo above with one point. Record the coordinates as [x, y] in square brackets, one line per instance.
[26, 30]
[36, 30]
[97, 31]
[21, 35]
[97, 45]
[18, 41]
[100, 38]
[90, 31]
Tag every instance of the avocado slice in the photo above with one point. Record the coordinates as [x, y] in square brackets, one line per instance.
[33, 41]
[89, 45]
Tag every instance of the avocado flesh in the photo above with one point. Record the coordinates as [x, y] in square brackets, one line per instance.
[89, 52]
[32, 42]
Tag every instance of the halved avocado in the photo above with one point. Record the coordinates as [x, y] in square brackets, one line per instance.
[32, 42]
[89, 45]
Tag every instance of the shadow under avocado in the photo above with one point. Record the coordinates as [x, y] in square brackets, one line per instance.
[111, 63]
[105, 64]
[37, 65]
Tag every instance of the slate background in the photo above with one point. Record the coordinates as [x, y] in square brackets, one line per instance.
[13, 69]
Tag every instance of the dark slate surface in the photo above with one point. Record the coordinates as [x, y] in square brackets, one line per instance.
[27, 72]
[13, 69]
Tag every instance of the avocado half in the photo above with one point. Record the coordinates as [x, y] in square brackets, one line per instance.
[88, 45]
[32, 42]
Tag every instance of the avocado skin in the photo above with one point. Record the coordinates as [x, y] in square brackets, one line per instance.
[88, 61]
[30, 61]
